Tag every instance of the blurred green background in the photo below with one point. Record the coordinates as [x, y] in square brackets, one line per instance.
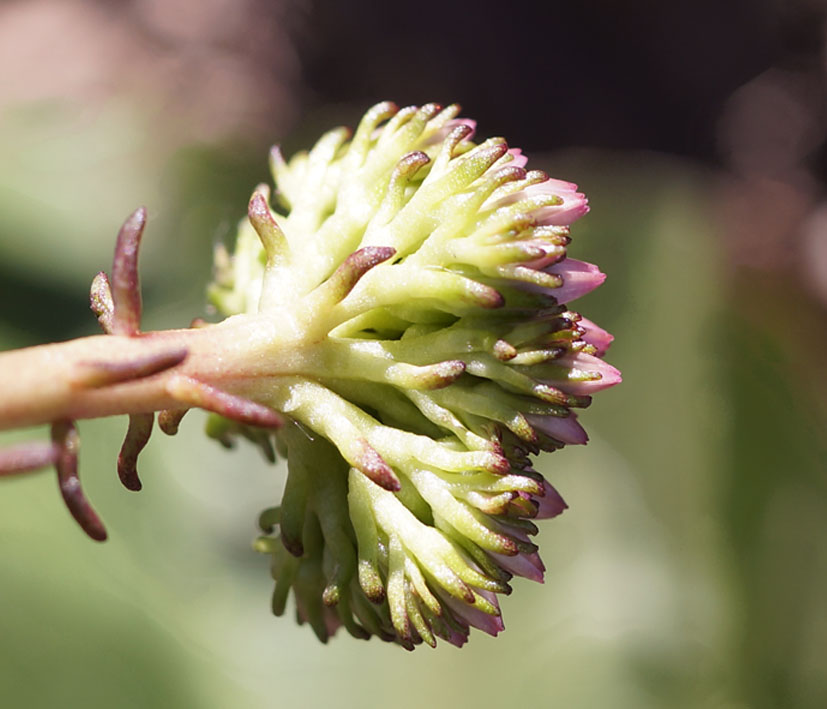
[691, 569]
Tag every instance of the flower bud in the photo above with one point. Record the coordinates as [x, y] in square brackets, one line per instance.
[426, 283]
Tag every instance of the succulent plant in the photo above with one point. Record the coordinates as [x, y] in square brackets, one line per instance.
[397, 327]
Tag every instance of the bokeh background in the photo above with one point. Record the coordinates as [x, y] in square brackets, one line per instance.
[691, 569]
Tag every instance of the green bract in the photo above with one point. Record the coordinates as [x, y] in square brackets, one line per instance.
[424, 282]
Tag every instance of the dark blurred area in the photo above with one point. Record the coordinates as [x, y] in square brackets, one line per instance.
[646, 75]
[691, 570]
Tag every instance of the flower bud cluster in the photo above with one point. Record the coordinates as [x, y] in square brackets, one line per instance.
[427, 280]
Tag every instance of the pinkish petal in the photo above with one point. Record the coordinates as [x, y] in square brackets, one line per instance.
[529, 566]
[578, 277]
[470, 122]
[565, 430]
[574, 204]
[541, 264]
[519, 160]
[515, 532]
[580, 365]
[491, 624]
[596, 336]
[440, 135]
[564, 214]
[457, 638]
[561, 188]
[551, 504]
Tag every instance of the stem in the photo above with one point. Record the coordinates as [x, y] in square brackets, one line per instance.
[213, 367]
[105, 375]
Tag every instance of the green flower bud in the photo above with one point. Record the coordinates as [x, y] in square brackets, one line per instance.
[427, 280]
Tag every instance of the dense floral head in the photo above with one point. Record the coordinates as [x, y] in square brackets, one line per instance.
[430, 281]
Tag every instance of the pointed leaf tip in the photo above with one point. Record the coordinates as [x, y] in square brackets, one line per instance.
[238, 408]
[263, 221]
[170, 419]
[137, 436]
[65, 436]
[375, 468]
[126, 287]
[100, 301]
[351, 270]
[98, 374]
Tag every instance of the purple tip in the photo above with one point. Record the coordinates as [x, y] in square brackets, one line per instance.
[126, 286]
